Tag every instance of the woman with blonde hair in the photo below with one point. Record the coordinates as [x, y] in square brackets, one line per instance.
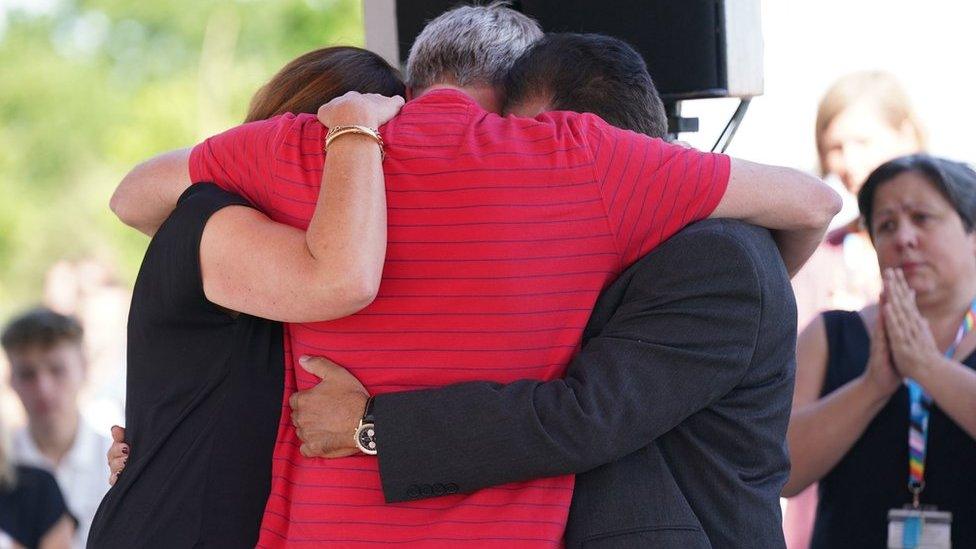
[32, 510]
[863, 120]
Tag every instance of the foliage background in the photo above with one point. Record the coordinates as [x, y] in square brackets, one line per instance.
[92, 87]
[88, 88]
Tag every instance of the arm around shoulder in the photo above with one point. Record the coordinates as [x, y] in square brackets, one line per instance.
[148, 194]
[253, 265]
[777, 197]
[612, 401]
[796, 206]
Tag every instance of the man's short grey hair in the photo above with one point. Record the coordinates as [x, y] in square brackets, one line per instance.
[470, 45]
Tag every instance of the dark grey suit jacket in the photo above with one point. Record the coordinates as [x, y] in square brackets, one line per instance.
[674, 413]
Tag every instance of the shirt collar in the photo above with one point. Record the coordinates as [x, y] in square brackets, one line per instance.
[83, 452]
[86, 449]
[26, 452]
[445, 96]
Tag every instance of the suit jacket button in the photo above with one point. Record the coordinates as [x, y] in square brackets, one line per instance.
[439, 489]
[452, 488]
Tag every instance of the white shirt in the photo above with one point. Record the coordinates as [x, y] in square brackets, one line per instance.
[82, 474]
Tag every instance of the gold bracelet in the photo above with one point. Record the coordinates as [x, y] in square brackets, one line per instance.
[336, 131]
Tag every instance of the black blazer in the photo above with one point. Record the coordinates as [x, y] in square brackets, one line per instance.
[674, 413]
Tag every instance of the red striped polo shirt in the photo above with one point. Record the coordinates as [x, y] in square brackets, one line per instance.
[502, 233]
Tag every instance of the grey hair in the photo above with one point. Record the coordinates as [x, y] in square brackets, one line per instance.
[470, 45]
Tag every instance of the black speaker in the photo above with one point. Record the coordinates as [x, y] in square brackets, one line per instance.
[693, 48]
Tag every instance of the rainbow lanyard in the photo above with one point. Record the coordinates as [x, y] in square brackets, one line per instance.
[920, 405]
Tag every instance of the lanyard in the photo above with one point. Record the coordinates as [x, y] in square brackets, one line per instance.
[919, 406]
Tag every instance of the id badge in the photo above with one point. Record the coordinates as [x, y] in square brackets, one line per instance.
[926, 528]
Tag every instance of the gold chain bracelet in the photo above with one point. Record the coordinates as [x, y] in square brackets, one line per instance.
[336, 131]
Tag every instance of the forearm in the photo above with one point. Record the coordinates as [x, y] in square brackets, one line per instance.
[613, 400]
[334, 267]
[822, 432]
[58, 536]
[798, 216]
[796, 206]
[483, 434]
[952, 387]
[148, 194]
[347, 234]
[797, 246]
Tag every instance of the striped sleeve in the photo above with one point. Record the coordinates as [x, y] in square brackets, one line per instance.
[651, 189]
[240, 160]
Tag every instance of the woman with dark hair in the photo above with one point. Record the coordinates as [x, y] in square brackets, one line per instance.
[884, 413]
[205, 355]
[863, 119]
[300, 87]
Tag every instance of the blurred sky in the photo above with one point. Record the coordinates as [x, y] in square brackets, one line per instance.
[809, 44]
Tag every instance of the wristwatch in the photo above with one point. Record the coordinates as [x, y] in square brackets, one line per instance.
[366, 432]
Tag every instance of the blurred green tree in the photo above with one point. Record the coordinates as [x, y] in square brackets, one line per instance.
[92, 87]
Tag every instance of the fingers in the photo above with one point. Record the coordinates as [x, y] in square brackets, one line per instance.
[316, 365]
[118, 454]
[118, 433]
[333, 378]
[118, 450]
[897, 308]
[387, 108]
[913, 323]
[894, 327]
[116, 465]
[370, 109]
[910, 305]
[118, 458]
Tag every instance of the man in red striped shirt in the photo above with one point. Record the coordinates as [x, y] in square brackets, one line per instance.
[502, 232]
[712, 411]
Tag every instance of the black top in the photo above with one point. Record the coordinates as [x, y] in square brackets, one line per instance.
[31, 507]
[871, 479]
[203, 402]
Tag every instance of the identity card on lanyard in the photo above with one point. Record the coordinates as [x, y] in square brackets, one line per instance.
[916, 526]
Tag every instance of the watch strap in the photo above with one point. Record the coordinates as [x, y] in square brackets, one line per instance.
[368, 411]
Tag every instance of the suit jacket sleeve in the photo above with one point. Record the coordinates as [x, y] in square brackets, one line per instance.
[682, 336]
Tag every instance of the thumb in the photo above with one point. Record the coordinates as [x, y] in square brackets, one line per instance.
[118, 434]
[315, 365]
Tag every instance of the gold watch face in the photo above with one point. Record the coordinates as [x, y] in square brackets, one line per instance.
[366, 438]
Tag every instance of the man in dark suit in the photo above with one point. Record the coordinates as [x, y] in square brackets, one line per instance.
[673, 415]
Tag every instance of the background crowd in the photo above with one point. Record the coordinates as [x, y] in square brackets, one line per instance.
[114, 83]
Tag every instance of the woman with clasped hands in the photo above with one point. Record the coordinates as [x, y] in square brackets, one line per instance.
[850, 424]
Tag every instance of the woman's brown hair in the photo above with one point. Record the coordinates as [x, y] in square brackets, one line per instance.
[312, 79]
